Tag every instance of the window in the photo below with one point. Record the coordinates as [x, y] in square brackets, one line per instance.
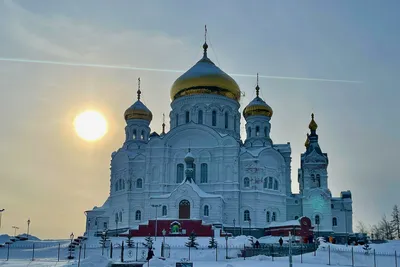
[194, 172]
[275, 185]
[187, 117]
[313, 178]
[138, 215]
[226, 120]
[296, 217]
[164, 211]
[332, 206]
[120, 184]
[274, 216]
[257, 130]
[206, 210]
[246, 182]
[139, 183]
[200, 117]
[265, 183]
[116, 217]
[120, 216]
[203, 173]
[249, 131]
[334, 221]
[105, 225]
[134, 134]
[265, 131]
[123, 184]
[116, 186]
[318, 180]
[317, 220]
[179, 173]
[142, 135]
[270, 180]
[246, 216]
[176, 119]
[214, 118]
[268, 217]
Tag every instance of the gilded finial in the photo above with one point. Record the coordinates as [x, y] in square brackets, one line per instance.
[138, 91]
[205, 45]
[163, 123]
[307, 143]
[313, 125]
[257, 87]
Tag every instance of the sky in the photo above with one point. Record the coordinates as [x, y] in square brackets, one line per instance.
[51, 176]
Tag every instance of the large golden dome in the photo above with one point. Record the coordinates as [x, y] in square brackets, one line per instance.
[205, 78]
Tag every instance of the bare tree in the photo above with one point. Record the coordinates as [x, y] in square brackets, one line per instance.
[377, 232]
[362, 228]
[386, 228]
[396, 221]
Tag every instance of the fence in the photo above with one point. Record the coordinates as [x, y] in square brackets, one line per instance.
[326, 254]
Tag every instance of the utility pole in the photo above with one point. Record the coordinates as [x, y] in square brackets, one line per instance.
[1, 212]
[15, 230]
[155, 233]
[27, 233]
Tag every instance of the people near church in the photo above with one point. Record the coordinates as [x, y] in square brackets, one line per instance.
[257, 244]
[150, 254]
[280, 241]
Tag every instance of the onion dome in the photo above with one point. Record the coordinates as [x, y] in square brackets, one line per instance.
[138, 111]
[257, 107]
[313, 125]
[205, 78]
[189, 158]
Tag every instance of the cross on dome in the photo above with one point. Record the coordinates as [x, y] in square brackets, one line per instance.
[138, 91]
[257, 87]
[205, 45]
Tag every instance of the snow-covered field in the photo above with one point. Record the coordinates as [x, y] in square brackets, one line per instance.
[46, 254]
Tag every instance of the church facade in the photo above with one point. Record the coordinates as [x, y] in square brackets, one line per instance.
[203, 170]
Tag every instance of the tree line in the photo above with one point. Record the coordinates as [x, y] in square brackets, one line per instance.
[386, 228]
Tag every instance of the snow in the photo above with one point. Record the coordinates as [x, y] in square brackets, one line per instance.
[195, 188]
[46, 253]
[287, 223]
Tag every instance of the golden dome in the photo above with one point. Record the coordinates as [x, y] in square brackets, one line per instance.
[205, 78]
[257, 107]
[138, 111]
[313, 125]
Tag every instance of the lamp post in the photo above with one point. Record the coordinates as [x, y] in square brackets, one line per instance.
[163, 243]
[15, 230]
[1, 212]
[27, 233]
[155, 233]
[71, 237]
[226, 246]
[234, 228]
[249, 226]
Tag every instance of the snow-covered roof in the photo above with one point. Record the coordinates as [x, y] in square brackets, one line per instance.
[195, 188]
[253, 151]
[282, 224]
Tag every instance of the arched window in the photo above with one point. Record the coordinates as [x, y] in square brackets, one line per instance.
[179, 173]
[134, 134]
[268, 217]
[116, 217]
[317, 219]
[226, 120]
[116, 186]
[123, 184]
[246, 216]
[246, 182]
[176, 119]
[200, 117]
[312, 180]
[203, 173]
[194, 172]
[138, 215]
[274, 216]
[187, 117]
[120, 216]
[164, 211]
[257, 130]
[265, 183]
[139, 183]
[275, 185]
[214, 118]
[334, 221]
[265, 131]
[270, 181]
[120, 184]
[142, 135]
[249, 131]
[318, 180]
[206, 210]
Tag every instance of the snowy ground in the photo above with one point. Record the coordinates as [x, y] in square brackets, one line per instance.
[46, 254]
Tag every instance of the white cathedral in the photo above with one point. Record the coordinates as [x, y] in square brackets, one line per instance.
[203, 169]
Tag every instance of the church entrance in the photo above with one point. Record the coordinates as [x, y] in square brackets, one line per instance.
[184, 209]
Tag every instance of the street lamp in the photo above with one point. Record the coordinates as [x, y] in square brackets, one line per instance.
[155, 232]
[163, 242]
[27, 233]
[1, 212]
[15, 230]
[226, 246]
[71, 237]
[249, 226]
[234, 228]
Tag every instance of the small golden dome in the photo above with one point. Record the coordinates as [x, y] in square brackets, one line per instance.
[205, 78]
[307, 143]
[313, 125]
[138, 111]
[257, 107]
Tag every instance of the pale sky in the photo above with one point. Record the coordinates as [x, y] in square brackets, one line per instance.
[51, 176]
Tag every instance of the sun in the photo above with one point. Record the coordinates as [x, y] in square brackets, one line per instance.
[90, 125]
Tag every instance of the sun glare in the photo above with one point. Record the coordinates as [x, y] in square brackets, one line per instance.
[90, 125]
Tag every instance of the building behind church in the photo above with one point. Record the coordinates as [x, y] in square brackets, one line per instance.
[203, 175]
